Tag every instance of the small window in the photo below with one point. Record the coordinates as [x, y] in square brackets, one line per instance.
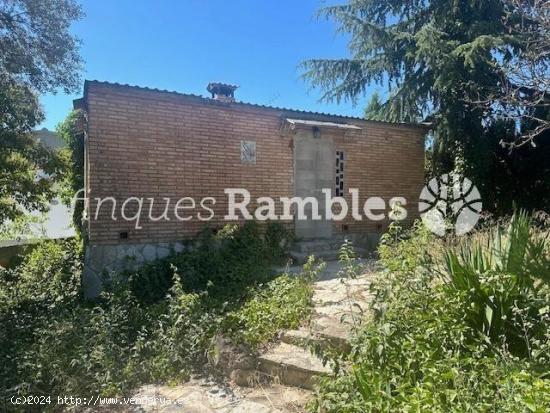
[340, 162]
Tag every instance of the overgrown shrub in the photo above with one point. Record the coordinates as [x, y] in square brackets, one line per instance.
[35, 295]
[282, 303]
[52, 342]
[404, 250]
[50, 273]
[222, 263]
[73, 155]
[84, 348]
[278, 240]
[178, 340]
[503, 276]
[422, 352]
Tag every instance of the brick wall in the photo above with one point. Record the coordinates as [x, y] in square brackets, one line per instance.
[156, 144]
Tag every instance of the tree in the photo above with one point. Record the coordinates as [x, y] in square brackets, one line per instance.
[373, 111]
[70, 130]
[523, 94]
[37, 55]
[431, 55]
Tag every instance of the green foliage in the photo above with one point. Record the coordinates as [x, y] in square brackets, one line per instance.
[53, 342]
[517, 178]
[282, 303]
[22, 157]
[80, 348]
[49, 274]
[435, 59]
[178, 341]
[404, 250]
[348, 261]
[374, 109]
[394, 43]
[504, 277]
[277, 240]
[36, 45]
[24, 227]
[73, 182]
[224, 264]
[34, 298]
[38, 55]
[421, 351]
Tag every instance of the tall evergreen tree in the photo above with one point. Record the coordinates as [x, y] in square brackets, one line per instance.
[373, 111]
[433, 56]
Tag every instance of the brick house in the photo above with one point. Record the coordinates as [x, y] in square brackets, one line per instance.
[150, 143]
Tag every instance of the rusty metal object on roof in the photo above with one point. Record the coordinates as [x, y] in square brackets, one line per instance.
[222, 91]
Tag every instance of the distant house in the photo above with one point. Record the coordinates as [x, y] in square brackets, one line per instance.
[49, 138]
[150, 143]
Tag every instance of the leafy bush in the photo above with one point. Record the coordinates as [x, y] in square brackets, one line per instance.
[419, 354]
[504, 278]
[83, 348]
[52, 342]
[282, 303]
[45, 285]
[404, 250]
[224, 264]
[152, 281]
[50, 273]
[278, 240]
[178, 340]
[73, 155]
[422, 352]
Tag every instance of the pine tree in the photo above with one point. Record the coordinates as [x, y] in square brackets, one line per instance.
[432, 55]
[373, 109]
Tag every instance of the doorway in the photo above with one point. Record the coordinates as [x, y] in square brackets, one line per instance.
[314, 170]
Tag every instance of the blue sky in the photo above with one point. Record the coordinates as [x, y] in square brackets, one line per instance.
[183, 45]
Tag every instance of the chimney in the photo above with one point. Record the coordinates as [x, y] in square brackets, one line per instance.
[222, 92]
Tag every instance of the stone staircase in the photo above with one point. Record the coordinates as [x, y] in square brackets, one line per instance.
[289, 365]
[291, 361]
[324, 249]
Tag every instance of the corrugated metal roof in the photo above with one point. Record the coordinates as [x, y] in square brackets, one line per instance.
[255, 105]
[307, 122]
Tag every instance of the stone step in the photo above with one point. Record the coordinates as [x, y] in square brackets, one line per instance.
[317, 245]
[322, 340]
[334, 332]
[326, 334]
[300, 258]
[300, 338]
[292, 365]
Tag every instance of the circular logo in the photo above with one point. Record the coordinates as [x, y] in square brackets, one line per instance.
[450, 203]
